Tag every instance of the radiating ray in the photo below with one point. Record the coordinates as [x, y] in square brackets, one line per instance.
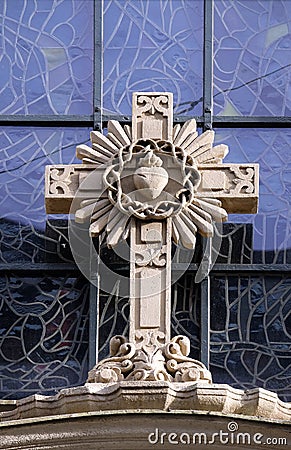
[218, 214]
[101, 141]
[175, 233]
[205, 228]
[104, 152]
[114, 140]
[188, 222]
[114, 218]
[187, 128]
[202, 213]
[116, 129]
[117, 231]
[187, 231]
[99, 222]
[88, 201]
[125, 233]
[84, 151]
[127, 130]
[101, 208]
[87, 210]
[189, 139]
[215, 155]
[176, 130]
[204, 140]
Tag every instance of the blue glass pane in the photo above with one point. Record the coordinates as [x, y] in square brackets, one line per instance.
[271, 149]
[47, 57]
[44, 334]
[24, 153]
[250, 332]
[252, 57]
[153, 46]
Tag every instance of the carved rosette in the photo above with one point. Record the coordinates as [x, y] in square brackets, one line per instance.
[149, 362]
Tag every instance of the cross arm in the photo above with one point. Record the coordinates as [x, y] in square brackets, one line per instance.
[235, 185]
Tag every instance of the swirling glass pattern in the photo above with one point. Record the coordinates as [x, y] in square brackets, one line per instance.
[24, 153]
[250, 332]
[271, 226]
[113, 316]
[186, 312]
[43, 333]
[47, 57]
[152, 46]
[252, 68]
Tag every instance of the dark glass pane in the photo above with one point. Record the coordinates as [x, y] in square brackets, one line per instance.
[152, 46]
[252, 57]
[271, 226]
[43, 334]
[114, 319]
[235, 245]
[47, 61]
[24, 153]
[186, 312]
[250, 332]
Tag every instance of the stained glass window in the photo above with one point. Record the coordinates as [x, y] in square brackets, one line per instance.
[271, 226]
[43, 333]
[47, 67]
[250, 332]
[152, 46]
[26, 232]
[252, 57]
[47, 57]
[24, 153]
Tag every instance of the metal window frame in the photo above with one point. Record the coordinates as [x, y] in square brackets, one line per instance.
[97, 120]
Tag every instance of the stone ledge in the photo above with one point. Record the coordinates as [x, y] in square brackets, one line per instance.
[162, 396]
[129, 430]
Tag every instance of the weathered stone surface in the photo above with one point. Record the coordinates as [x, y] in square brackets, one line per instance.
[131, 430]
[149, 356]
[225, 185]
[154, 395]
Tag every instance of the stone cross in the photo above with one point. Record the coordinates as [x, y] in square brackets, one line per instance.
[152, 183]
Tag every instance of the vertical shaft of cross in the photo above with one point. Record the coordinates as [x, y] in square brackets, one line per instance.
[150, 281]
[150, 241]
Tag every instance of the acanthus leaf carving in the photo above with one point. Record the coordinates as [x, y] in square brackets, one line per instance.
[112, 369]
[149, 360]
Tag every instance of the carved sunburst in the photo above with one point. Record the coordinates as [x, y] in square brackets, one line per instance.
[190, 213]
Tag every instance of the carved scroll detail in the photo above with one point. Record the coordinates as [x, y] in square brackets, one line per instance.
[149, 361]
[152, 104]
[151, 257]
[60, 180]
[244, 180]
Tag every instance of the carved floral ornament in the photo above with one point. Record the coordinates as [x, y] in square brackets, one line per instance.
[152, 179]
[151, 362]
